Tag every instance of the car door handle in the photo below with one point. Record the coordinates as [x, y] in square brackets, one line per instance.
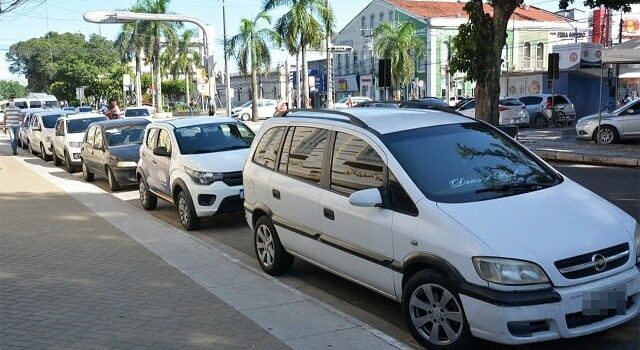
[328, 213]
[276, 194]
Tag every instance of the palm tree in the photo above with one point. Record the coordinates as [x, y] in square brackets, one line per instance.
[129, 44]
[250, 49]
[153, 32]
[301, 28]
[400, 44]
[185, 57]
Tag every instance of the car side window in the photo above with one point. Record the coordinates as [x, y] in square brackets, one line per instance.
[399, 200]
[98, 141]
[306, 153]
[91, 135]
[286, 148]
[355, 165]
[164, 140]
[266, 153]
[152, 136]
[60, 127]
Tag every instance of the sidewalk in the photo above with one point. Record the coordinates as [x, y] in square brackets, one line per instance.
[561, 144]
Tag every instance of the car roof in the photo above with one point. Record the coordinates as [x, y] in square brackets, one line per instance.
[190, 121]
[123, 122]
[45, 113]
[84, 115]
[381, 120]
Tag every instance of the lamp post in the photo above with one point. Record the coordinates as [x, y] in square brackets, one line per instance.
[227, 79]
[119, 17]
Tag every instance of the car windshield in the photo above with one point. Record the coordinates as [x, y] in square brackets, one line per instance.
[75, 126]
[467, 162]
[84, 109]
[35, 104]
[209, 138]
[143, 112]
[125, 135]
[21, 104]
[51, 104]
[625, 106]
[49, 121]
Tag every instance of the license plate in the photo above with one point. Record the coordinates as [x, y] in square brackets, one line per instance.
[608, 302]
[242, 193]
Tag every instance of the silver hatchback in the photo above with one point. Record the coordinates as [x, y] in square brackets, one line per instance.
[622, 123]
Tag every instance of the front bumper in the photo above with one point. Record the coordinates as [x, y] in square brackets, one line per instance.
[125, 176]
[216, 198]
[585, 131]
[561, 319]
[74, 154]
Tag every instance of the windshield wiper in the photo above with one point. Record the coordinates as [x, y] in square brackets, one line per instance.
[515, 186]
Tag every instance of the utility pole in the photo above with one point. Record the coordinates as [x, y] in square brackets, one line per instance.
[329, 78]
[227, 79]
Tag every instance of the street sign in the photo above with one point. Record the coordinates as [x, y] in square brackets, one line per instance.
[80, 93]
[341, 48]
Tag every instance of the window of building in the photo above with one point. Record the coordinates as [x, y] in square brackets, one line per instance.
[355, 165]
[540, 55]
[355, 61]
[381, 17]
[362, 24]
[527, 56]
[392, 17]
[267, 150]
[372, 22]
[306, 153]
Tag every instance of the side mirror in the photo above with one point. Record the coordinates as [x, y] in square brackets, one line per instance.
[368, 198]
[161, 151]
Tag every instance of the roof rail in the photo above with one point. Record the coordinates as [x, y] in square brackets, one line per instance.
[352, 118]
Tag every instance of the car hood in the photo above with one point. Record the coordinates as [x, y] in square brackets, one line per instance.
[596, 117]
[127, 153]
[221, 162]
[77, 137]
[545, 226]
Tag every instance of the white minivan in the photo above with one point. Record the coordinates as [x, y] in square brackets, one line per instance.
[471, 232]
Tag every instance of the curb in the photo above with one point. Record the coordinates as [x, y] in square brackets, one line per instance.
[552, 155]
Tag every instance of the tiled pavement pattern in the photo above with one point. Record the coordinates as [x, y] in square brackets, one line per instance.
[69, 279]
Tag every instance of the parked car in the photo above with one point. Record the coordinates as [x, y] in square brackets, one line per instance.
[139, 112]
[512, 111]
[111, 149]
[68, 138]
[196, 164]
[539, 107]
[378, 104]
[41, 131]
[25, 119]
[266, 109]
[466, 236]
[426, 103]
[454, 100]
[342, 103]
[622, 123]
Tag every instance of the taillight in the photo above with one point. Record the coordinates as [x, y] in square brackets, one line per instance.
[549, 104]
[502, 109]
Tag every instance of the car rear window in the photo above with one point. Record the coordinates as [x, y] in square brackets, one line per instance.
[75, 126]
[136, 113]
[531, 100]
[510, 102]
[560, 100]
[49, 121]
[125, 135]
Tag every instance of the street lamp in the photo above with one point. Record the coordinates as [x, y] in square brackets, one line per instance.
[119, 17]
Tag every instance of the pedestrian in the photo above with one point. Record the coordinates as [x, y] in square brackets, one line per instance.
[114, 110]
[349, 102]
[280, 105]
[12, 122]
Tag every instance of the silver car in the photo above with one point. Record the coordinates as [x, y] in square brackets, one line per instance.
[622, 123]
[539, 107]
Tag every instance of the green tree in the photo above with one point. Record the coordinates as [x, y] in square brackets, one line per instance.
[399, 43]
[186, 56]
[301, 28]
[129, 43]
[176, 88]
[153, 33]
[251, 51]
[12, 88]
[477, 48]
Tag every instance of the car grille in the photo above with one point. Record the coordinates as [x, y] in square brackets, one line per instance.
[233, 178]
[583, 266]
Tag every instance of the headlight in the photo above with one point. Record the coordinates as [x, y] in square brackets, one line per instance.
[509, 271]
[203, 178]
[636, 238]
[75, 144]
[126, 164]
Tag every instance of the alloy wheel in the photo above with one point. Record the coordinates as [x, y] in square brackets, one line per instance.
[142, 189]
[436, 314]
[183, 209]
[605, 136]
[265, 246]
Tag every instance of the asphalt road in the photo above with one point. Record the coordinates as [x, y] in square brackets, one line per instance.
[621, 186]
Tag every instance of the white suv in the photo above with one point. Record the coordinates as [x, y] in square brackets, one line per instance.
[195, 163]
[470, 231]
[69, 136]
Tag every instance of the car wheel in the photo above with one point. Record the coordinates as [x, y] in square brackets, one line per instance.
[67, 163]
[540, 120]
[186, 211]
[148, 200]
[606, 135]
[113, 182]
[86, 174]
[433, 312]
[43, 153]
[272, 256]
[31, 150]
[56, 161]
[245, 117]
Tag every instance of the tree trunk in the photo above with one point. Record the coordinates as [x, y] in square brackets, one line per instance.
[187, 80]
[305, 76]
[156, 54]
[138, 79]
[254, 95]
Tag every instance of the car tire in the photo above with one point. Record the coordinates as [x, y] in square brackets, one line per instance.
[43, 154]
[87, 175]
[67, 163]
[606, 135]
[245, 117]
[148, 200]
[56, 161]
[271, 255]
[431, 304]
[113, 181]
[187, 212]
[540, 120]
[31, 150]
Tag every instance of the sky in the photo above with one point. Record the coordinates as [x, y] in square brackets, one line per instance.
[37, 17]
